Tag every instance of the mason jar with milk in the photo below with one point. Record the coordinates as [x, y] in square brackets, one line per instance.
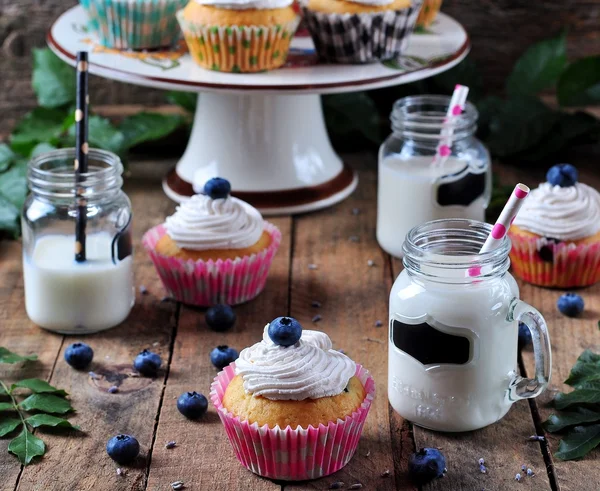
[413, 188]
[61, 294]
[453, 330]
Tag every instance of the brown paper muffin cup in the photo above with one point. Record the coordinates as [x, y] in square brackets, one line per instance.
[238, 49]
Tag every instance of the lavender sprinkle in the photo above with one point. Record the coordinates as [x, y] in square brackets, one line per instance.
[378, 323]
[336, 485]
[113, 389]
[386, 473]
[368, 454]
[171, 444]
[120, 472]
[518, 477]
[370, 263]
[317, 318]
[94, 376]
[313, 266]
[356, 486]
[482, 469]
[537, 438]
[177, 485]
[523, 467]
[316, 304]
[481, 461]
[143, 290]
[530, 473]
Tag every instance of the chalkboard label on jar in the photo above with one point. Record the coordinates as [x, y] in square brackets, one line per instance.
[461, 188]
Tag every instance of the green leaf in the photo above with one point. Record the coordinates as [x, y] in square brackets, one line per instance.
[7, 157]
[579, 396]
[586, 371]
[8, 425]
[41, 148]
[187, 100]
[102, 134]
[38, 386]
[539, 67]
[558, 422]
[42, 125]
[578, 442]
[7, 356]
[352, 113]
[142, 127]
[579, 85]
[53, 80]
[26, 446]
[47, 403]
[9, 218]
[515, 125]
[6, 406]
[38, 420]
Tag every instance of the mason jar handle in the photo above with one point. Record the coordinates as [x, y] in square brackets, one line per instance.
[526, 388]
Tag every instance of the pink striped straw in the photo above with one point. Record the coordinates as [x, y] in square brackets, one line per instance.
[505, 220]
[455, 109]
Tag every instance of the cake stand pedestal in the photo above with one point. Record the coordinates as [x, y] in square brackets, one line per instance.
[264, 132]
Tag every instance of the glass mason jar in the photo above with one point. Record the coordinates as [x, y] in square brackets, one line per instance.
[412, 188]
[61, 294]
[453, 330]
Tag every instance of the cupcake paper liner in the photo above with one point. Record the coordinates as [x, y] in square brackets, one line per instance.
[206, 283]
[238, 49]
[361, 38]
[293, 455]
[562, 265]
[137, 24]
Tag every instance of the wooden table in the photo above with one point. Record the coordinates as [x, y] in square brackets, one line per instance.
[340, 241]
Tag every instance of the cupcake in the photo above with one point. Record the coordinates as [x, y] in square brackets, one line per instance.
[239, 36]
[134, 24]
[360, 31]
[428, 13]
[556, 235]
[214, 249]
[293, 407]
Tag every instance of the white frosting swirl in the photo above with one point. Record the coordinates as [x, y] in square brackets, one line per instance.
[203, 223]
[247, 4]
[309, 369]
[569, 213]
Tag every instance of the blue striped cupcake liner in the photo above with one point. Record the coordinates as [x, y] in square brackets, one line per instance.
[134, 24]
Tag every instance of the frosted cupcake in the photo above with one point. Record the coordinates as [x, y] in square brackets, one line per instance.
[293, 408]
[214, 249]
[134, 24]
[239, 35]
[428, 13]
[360, 31]
[556, 235]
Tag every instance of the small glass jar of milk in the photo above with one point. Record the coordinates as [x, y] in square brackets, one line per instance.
[63, 295]
[413, 189]
[453, 330]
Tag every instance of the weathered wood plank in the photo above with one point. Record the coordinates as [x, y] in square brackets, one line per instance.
[81, 462]
[203, 458]
[20, 335]
[353, 297]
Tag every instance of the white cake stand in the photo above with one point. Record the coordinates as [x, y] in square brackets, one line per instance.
[264, 132]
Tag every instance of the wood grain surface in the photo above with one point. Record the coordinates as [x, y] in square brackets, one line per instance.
[352, 295]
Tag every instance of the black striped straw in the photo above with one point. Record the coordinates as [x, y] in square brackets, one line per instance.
[81, 153]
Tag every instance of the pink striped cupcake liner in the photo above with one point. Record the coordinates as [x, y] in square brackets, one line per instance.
[206, 283]
[563, 265]
[293, 455]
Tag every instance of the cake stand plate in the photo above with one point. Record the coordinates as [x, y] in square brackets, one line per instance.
[264, 132]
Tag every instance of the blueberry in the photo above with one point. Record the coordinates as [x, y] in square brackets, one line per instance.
[570, 304]
[147, 363]
[123, 449]
[524, 335]
[220, 317]
[563, 175]
[192, 405]
[217, 188]
[79, 355]
[285, 331]
[222, 356]
[427, 464]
